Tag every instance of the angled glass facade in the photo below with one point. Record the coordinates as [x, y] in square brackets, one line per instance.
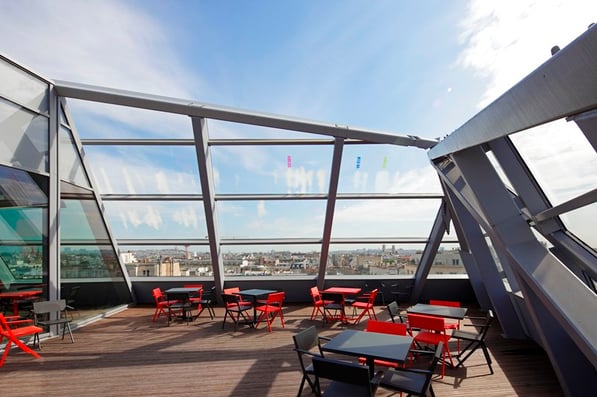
[166, 189]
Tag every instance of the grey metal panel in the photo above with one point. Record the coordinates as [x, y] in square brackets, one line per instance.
[562, 86]
[138, 142]
[558, 290]
[282, 241]
[484, 275]
[329, 211]
[53, 200]
[206, 177]
[570, 205]
[195, 109]
[245, 197]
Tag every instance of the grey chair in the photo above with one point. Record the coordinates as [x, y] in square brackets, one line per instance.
[51, 313]
[304, 344]
[474, 339]
[237, 311]
[348, 379]
[395, 312]
[413, 381]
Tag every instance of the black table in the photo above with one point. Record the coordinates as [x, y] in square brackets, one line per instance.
[371, 345]
[438, 311]
[254, 294]
[183, 295]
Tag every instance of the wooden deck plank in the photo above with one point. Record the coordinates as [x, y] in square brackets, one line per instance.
[128, 354]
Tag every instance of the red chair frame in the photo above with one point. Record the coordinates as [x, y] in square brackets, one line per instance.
[13, 335]
[271, 309]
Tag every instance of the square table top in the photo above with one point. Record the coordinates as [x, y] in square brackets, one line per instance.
[255, 292]
[373, 345]
[438, 311]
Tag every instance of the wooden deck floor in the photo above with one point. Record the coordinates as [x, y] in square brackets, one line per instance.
[128, 355]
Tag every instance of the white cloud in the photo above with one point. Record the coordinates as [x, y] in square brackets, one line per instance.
[186, 217]
[506, 40]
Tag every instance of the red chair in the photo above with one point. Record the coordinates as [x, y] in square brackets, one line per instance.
[384, 327]
[432, 331]
[271, 309]
[317, 303]
[12, 333]
[197, 297]
[162, 305]
[437, 302]
[366, 306]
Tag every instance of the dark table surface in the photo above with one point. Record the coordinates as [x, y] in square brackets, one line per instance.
[438, 311]
[371, 345]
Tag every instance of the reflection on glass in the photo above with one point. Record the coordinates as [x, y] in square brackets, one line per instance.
[288, 260]
[24, 138]
[156, 219]
[70, 165]
[387, 217]
[271, 218]
[144, 169]
[23, 88]
[290, 169]
[386, 169]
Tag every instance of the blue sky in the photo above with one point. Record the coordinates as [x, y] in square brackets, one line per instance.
[420, 68]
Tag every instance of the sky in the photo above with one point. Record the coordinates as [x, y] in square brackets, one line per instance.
[418, 68]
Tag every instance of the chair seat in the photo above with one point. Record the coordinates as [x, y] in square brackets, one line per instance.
[341, 389]
[383, 363]
[466, 335]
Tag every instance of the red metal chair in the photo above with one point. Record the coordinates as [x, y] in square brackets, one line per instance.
[318, 303]
[162, 305]
[384, 327]
[432, 331]
[366, 306]
[437, 302]
[271, 309]
[12, 333]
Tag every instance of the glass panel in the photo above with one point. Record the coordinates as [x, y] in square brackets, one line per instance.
[271, 218]
[500, 171]
[156, 219]
[70, 165]
[386, 169]
[24, 142]
[81, 222]
[271, 169]
[144, 169]
[23, 231]
[105, 121]
[94, 271]
[23, 88]
[271, 260]
[167, 261]
[581, 223]
[560, 158]
[387, 217]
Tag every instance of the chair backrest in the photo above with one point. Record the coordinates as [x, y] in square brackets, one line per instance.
[444, 303]
[344, 372]
[276, 299]
[385, 327]
[394, 311]
[488, 320]
[306, 339]
[231, 290]
[158, 296]
[372, 296]
[232, 301]
[423, 322]
[315, 295]
[49, 307]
